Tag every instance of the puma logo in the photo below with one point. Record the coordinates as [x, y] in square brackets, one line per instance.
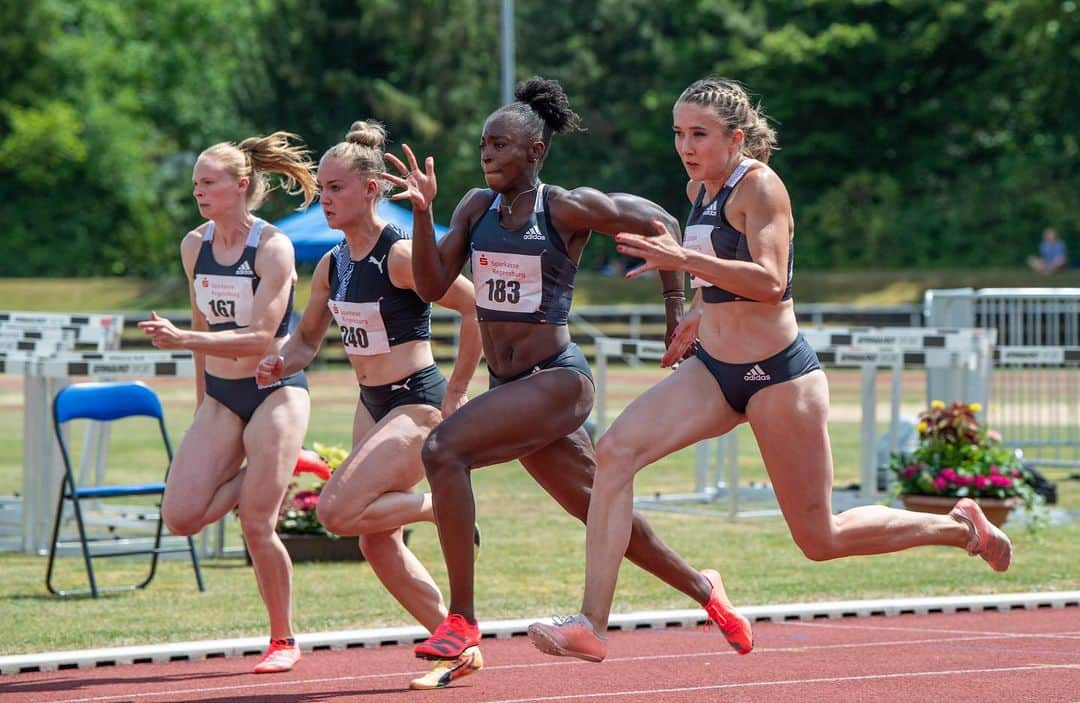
[378, 262]
[400, 386]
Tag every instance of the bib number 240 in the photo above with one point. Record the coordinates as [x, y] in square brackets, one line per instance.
[502, 291]
[354, 337]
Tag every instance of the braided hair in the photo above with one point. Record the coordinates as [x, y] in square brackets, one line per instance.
[730, 102]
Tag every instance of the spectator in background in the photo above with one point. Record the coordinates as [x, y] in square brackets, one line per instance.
[1051, 255]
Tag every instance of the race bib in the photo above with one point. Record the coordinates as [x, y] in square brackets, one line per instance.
[224, 299]
[363, 332]
[507, 282]
[699, 238]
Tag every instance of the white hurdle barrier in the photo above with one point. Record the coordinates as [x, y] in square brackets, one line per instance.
[42, 468]
[867, 348]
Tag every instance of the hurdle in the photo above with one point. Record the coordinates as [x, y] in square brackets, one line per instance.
[1036, 364]
[958, 350]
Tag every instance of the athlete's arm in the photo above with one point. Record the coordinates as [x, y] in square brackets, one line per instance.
[762, 202]
[589, 209]
[274, 266]
[459, 297]
[189, 252]
[306, 340]
[435, 266]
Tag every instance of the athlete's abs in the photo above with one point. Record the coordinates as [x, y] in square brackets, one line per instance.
[512, 347]
[402, 360]
[745, 332]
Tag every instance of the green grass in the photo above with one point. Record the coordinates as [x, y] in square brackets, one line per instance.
[532, 560]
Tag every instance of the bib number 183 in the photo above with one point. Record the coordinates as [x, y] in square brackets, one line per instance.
[501, 291]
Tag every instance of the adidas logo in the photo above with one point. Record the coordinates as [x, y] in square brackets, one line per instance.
[244, 269]
[401, 386]
[533, 233]
[756, 373]
[711, 210]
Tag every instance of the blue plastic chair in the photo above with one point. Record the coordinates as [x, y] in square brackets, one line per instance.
[107, 402]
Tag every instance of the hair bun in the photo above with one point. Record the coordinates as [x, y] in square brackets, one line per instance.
[367, 133]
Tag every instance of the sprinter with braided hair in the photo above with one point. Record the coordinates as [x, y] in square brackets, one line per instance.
[750, 364]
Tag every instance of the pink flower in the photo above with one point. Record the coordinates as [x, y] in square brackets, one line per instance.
[1017, 473]
[910, 471]
[981, 482]
[949, 475]
[965, 480]
[940, 483]
[1001, 481]
[993, 435]
[994, 470]
[305, 500]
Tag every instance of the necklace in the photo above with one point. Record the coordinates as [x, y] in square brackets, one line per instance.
[510, 207]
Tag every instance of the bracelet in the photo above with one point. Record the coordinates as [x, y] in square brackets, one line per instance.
[674, 295]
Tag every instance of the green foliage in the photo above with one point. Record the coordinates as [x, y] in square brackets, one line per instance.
[908, 129]
[957, 457]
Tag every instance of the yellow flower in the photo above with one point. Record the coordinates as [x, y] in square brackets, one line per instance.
[937, 404]
[923, 427]
[975, 407]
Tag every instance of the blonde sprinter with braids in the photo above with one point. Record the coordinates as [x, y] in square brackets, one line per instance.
[365, 285]
[241, 276]
[524, 239]
[750, 365]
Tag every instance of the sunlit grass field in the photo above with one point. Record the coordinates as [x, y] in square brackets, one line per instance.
[532, 559]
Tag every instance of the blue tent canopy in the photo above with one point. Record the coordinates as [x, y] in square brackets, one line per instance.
[312, 237]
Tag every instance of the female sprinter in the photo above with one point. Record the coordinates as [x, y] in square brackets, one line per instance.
[241, 275]
[365, 284]
[525, 239]
[750, 365]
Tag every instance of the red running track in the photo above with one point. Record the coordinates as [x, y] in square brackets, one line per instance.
[1020, 655]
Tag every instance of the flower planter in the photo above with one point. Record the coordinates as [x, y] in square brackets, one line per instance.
[321, 548]
[311, 547]
[996, 509]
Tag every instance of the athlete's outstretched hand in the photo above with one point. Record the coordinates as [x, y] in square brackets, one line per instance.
[682, 338]
[269, 371]
[418, 186]
[162, 332]
[659, 251]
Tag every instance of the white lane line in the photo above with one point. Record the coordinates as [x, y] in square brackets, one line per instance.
[787, 682]
[554, 662]
[832, 625]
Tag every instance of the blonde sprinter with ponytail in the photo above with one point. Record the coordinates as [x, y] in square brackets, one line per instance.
[241, 276]
[365, 286]
[749, 364]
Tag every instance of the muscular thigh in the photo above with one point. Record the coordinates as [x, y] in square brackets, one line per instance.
[209, 454]
[272, 440]
[387, 458]
[789, 421]
[517, 418]
[684, 408]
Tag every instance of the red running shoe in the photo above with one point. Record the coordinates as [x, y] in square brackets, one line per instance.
[571, 636]
[450, 639]
[736, 627]
[281, 655]
[986, 541]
